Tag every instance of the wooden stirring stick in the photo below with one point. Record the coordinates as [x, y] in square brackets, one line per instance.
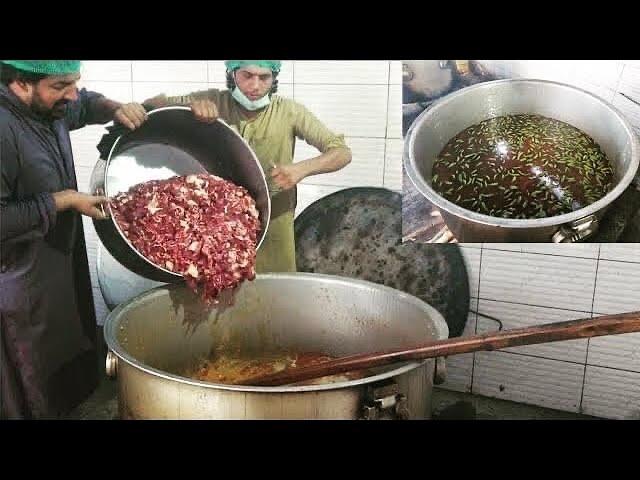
[551, 332]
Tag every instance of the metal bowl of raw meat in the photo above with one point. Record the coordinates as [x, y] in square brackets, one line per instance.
[173, 143]
[452, 114]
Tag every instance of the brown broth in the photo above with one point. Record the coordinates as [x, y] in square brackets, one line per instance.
[522, 166]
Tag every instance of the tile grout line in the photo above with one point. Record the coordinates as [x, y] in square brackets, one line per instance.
[473, 357]
[593, 300]
[617, 87]
[542, 253]
[386, 130]
[131, 78]
[386, 126]
[533, 305]
[540, 357]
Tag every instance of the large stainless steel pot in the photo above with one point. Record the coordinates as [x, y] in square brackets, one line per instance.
[437, 125]
[172, 142]
[164, 330]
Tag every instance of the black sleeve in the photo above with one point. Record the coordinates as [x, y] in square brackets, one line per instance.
[24, 218]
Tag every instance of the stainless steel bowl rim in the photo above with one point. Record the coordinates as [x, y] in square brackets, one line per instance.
[114, 346]
[106, 186]
[425, 189]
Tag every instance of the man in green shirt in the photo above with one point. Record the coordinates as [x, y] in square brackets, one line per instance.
[270, 124]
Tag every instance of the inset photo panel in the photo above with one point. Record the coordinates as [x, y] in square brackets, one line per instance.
[503, 151]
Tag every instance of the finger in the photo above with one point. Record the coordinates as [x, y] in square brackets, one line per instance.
[139, 113]
[89, 210]
[98, 200]
[213, 112]
[96, 213]
[133, 115]
[208, 111]
[282, 182]
[198, 111]
[204, 112]
[141, 109]
[125, 121]
[128, 123]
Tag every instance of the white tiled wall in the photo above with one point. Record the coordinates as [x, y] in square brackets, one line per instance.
[604, 396]
[601, 77]
[459, 368]
[525, 285]
[392, 164]
[360, 99]
[520, 378]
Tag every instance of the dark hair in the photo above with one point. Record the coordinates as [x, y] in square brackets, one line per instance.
[231, 83]
[9, 74]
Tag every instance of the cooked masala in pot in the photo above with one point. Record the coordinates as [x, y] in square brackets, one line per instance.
[233, 366]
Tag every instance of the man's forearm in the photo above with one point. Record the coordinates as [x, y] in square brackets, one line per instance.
[103, 109]
[158, 101]
[63, 200]
[328, 162]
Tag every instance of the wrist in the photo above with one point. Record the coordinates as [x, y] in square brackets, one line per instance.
[110, 107]
[63, 200]
[301, 171]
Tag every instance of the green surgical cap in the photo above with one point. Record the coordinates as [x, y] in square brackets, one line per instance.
[46, 67]
[273, 65]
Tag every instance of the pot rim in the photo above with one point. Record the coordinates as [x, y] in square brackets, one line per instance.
[117, 227]
[111, 324]
[416, 178]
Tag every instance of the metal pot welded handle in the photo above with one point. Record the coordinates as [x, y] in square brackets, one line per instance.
[384, 401]
[111, 365]
[577, 230]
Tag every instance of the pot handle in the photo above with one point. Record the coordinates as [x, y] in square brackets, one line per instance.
[440, 371]
[111, 364]
[577, 230]
[383, 400]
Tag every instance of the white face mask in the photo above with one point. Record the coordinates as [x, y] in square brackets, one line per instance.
[251, 105]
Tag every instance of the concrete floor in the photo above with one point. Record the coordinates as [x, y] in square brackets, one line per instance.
[101, 405]
[447, 405]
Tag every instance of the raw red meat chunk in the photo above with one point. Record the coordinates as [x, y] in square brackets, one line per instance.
[200, 226]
